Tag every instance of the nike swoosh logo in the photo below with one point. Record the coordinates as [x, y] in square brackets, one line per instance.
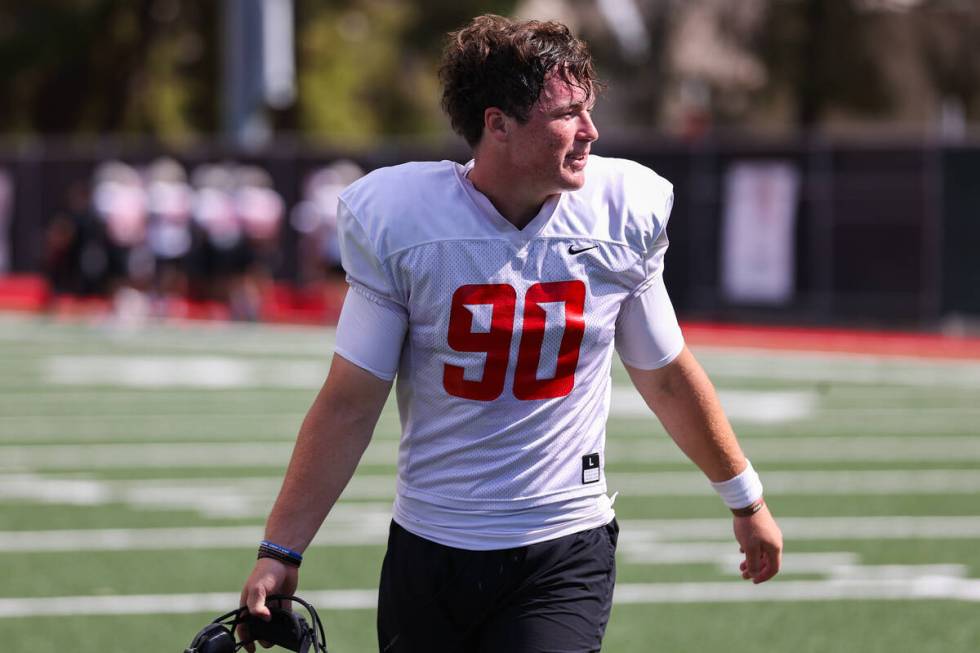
[573, 251]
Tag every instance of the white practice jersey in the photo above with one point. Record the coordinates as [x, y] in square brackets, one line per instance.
[503, 382]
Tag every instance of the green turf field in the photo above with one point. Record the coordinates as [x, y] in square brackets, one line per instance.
[137, 466]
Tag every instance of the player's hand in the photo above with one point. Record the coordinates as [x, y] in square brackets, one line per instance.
[268, 577]
[761, 541]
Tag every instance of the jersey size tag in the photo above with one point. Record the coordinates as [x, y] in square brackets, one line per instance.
[590, 468]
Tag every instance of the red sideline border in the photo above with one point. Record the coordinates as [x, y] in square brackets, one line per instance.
[278, 303]
[321, 305]
[850, 341]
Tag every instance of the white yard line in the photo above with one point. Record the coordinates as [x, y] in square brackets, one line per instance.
[50, 395]
[965, 527]
[922, 588]
[722, 362]
[726, 558]
[806, 483]
[654, 449]
[229, 497]
[919, 588]
[813, 367]
[349, 524]
[252, 496]
[354, 524]
[213, 603]
[279, 427]
[214, 372]
[856, 449]
[112, 406]
[359, 532]
[209, 337]
[242, 371]
[762, 406]
[109, 422]
[152, 455]
[222, 372]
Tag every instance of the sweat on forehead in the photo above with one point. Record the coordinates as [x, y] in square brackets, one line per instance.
[497, 62]
[568, 88]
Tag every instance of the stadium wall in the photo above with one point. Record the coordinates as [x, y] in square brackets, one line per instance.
[884, 234]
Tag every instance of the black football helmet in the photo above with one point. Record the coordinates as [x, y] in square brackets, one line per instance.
[286, 629]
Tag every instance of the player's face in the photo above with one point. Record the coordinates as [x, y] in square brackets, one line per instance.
[552, 147]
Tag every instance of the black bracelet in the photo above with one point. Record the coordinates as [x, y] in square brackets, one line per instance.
[750, 509]
[283, 559]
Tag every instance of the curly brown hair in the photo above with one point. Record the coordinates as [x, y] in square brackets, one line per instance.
[497, 62]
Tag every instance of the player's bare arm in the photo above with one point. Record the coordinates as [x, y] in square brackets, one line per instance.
[331, 440]
[686, 403]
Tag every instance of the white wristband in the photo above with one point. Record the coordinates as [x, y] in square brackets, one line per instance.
[742, 490]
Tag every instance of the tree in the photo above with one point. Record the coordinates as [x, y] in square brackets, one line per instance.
[108, 66]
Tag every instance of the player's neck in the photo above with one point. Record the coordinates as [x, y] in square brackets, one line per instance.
[512, 199]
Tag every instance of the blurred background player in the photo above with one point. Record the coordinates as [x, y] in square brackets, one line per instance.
[169, 200]
[260, 210]
[76, 259]
[119, 200]
[315, 219]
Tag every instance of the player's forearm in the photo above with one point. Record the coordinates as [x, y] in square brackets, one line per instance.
[334, 435]
[326, 454]
[686, 403]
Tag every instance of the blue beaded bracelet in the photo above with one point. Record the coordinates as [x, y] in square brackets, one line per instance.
[280, 550]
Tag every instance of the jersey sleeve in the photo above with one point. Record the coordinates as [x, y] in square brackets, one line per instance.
[647, 333]
[370, 334]
[365, 270]
[373, 321]
[655, 241]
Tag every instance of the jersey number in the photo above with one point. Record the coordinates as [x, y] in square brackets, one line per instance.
[495, 342]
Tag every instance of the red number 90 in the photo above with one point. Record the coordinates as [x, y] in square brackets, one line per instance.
[496, 342]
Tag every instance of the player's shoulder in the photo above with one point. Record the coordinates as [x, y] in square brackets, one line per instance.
[623, 181]
[629, 199]
[397, 185]
[390, 204]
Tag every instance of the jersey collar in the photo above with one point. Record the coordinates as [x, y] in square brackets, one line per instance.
[505, 227]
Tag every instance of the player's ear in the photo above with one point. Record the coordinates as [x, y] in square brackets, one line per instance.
[496, 124]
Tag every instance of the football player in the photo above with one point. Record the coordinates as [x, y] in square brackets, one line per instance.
[495, 293]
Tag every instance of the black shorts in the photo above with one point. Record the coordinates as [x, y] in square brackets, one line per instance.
[550, 597]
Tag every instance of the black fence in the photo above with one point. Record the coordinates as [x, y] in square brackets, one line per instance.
[884, 234]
